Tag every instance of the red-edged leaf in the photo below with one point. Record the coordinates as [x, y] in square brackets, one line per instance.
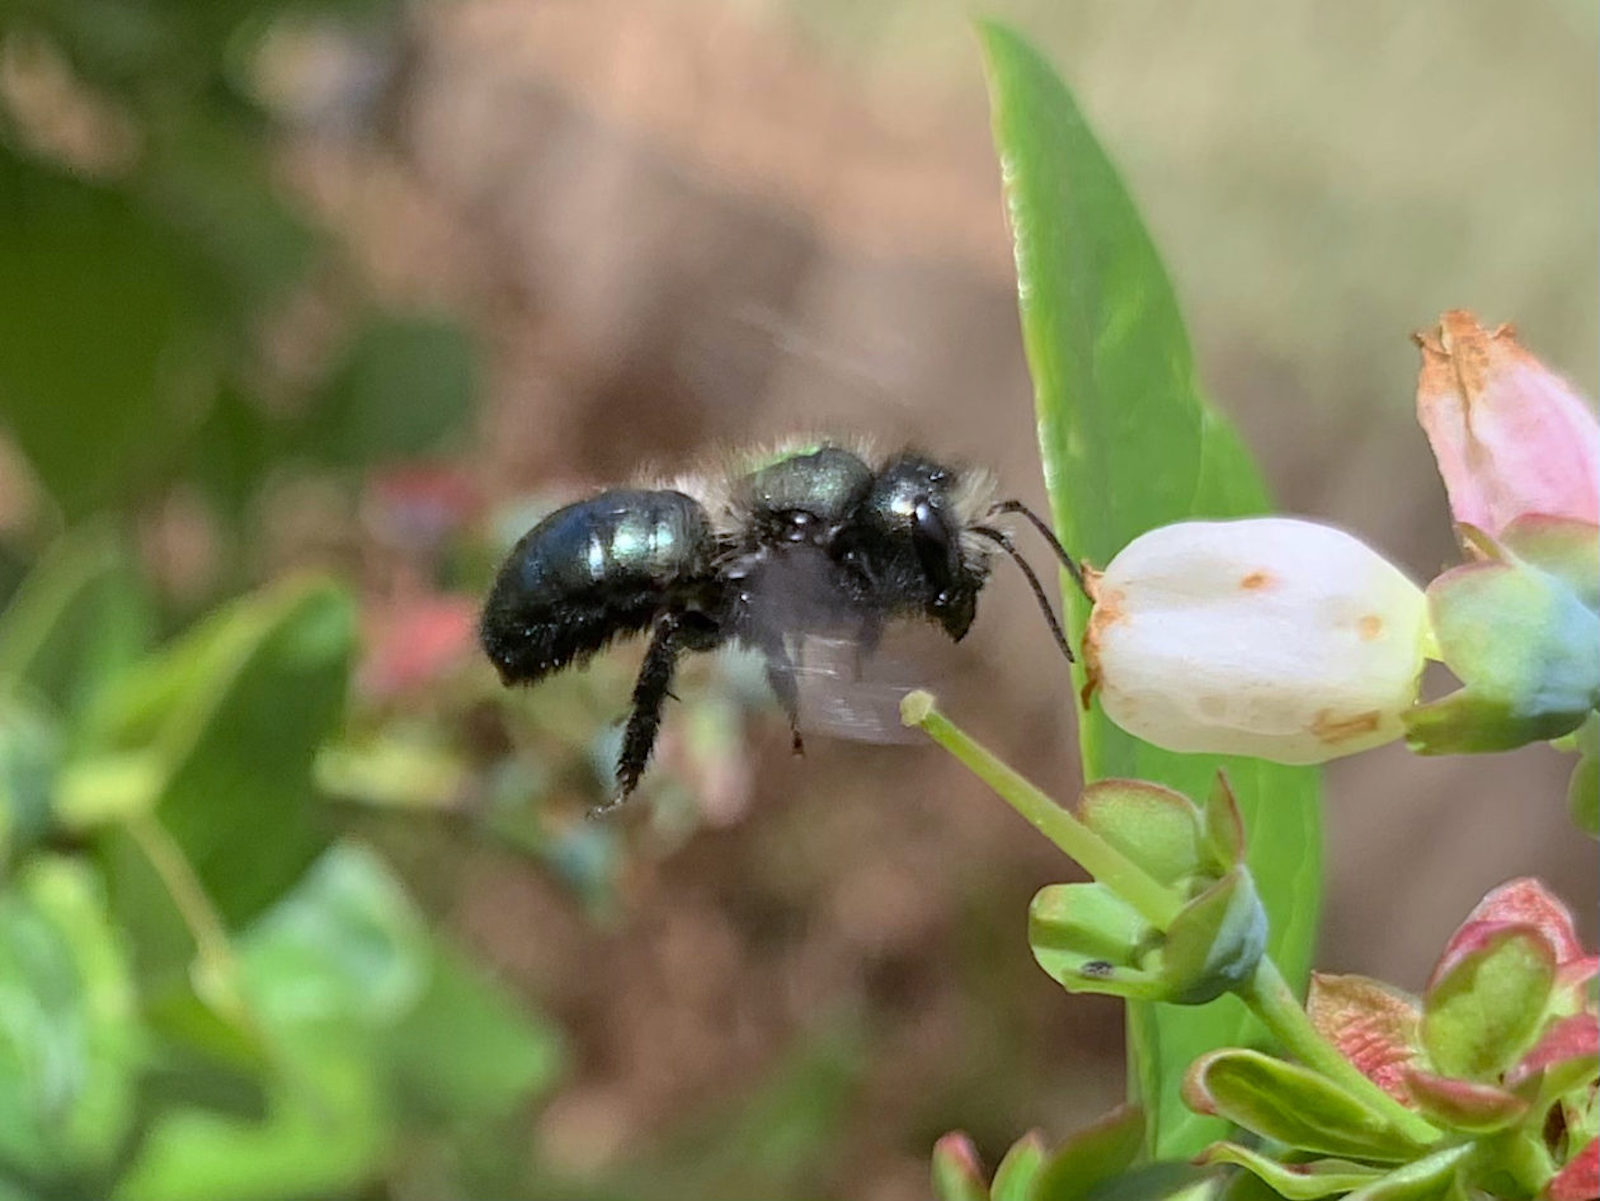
[1570, 1046]
[1462, 1104]
[1523, 901]
[1580, 1179]
[1374, 1026]
[1481, 1014]
[957, 1171]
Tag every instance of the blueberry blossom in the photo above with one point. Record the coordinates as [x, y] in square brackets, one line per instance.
[1268, 636]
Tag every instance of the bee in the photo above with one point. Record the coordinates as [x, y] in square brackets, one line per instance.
[804, 540]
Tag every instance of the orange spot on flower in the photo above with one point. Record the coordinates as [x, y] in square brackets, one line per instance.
[1255, 581]
[1333, 730]
[1369, 627]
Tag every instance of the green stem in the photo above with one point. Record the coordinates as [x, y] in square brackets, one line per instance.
[1156, 903]
[1268, 995]
[218, 975]
[1272, 1000]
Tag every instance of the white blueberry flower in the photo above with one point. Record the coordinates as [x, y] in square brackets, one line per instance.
[1270, 636]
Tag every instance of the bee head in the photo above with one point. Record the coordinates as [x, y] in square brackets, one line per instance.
[909, 542]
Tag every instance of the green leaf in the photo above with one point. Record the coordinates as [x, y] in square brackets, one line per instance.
[332, 971]
[1292, 1105]
[1486, 1010]
[234, 713]
[1128, 444]
[403, 385]
[70, 1038]
[468, 1050]
[30, 757]
[345, 948]
[104, 344]
[77, 620]
[1298, 1181]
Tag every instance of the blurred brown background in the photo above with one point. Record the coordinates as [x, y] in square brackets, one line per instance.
[678, 224]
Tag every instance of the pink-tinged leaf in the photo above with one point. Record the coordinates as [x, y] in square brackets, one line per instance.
[957, 1171]
[1528, 902]
[1570, 1048]
[412, 644]
[1580, 1179]
[1462, 1104]
[1485, 1004]
[1373, 1026]
[1510, 436]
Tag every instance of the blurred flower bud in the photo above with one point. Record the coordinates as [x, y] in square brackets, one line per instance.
[1270, 636]
[1511, 437]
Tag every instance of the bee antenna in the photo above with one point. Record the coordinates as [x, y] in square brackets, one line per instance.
[1016, 506]
[1000, 539]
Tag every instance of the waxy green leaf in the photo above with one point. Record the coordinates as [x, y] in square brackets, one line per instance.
[1292, 1105]
[1296, 1181]
[1128, 443]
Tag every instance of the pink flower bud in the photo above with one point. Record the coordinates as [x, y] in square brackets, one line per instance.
[1511, 437]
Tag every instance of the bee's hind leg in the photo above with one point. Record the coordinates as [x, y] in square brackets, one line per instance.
[671, 636]
[781, 679]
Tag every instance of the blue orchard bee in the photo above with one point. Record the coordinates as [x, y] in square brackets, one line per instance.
[804, 539]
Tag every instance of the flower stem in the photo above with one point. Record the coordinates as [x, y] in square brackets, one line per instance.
[1267, 994]
[1155, 902]
[1272, 1000]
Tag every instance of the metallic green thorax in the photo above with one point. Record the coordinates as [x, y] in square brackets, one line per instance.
[826, 483]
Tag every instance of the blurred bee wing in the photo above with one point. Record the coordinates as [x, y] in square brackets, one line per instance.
[847, 681]
[848, 690]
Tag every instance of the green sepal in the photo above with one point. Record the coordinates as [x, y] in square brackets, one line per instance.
[1292, 1105]
[1215, 942]
[1296, 1181]
[1157, 828]
[1088, 939]
[1091, 1157]
[1485, 1010]
[1583, 790]
[1522, 641]
[957, 1174]
[1015, 1178]
[1225, 841]
[1563, 547]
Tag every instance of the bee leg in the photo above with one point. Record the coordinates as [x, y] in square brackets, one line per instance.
[868, 635]
[671, 635]
[781, 679]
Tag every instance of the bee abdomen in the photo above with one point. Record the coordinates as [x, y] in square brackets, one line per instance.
[591, 572]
